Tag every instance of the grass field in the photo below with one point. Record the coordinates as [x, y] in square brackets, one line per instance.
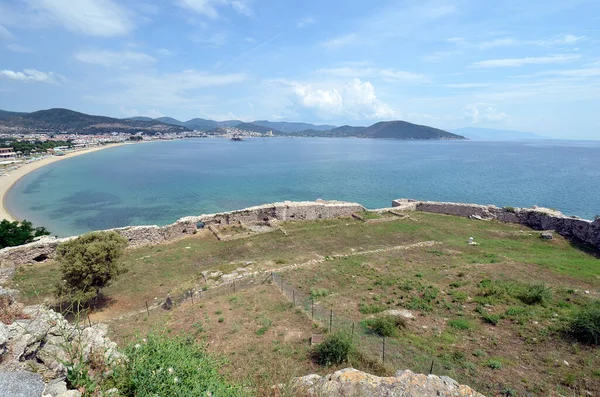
[491, 315]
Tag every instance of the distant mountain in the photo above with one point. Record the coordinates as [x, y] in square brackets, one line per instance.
[139, 118]
[229, 123]
[489, 134]
[285, 126]
[69, 121]
[385, 130]
[251, 127]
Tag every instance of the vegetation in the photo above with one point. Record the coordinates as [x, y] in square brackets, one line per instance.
[371, 309]
[585, 324]
[385, 326]
[510, 209]
[26, 147]
[158, 365]
[335, 349]
[88, 264]
[18, 233]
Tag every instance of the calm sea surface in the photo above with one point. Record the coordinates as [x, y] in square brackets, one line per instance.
[159, 182]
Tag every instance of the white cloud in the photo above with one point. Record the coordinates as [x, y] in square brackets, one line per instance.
[214, 40]
[517, 62]
[5, 34]
[488, 113]
[304, 22]
[103, 18]
[18, 48]
[355, 100]
[209, 8]
[566, 39]
[486, 45]
[107, 58]
[341, 41]
[466, 85]
[438, 56]
[389, 75]
[32, 76]
[152, 90]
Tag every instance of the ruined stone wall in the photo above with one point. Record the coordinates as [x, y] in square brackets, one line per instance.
[39, 251]
[535, 218]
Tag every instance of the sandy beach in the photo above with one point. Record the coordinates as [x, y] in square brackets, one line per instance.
[6, 182]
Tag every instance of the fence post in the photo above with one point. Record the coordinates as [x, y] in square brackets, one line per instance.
[431, 369]
[192, 295]
[147, 309]
[330, 319]
[352, 336]
[294, 296]
[312, 308]
[383, 350]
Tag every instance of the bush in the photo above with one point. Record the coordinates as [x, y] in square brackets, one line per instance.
[510, 209]
[319, 293]
[88, 264]
[461, 324]
[493, 364]
[334, 350]
[18, 233]
[385, 326]
[371, 309]
[585, 324]
[493, 319]
[537, 294]
[171, 366]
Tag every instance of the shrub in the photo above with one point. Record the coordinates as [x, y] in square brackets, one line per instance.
[493, 364]
[385, 326]
[17, 233]
[319, 293]
[88, 264]
[535, 294]
[334, 350]
[493, 319]
[585, 324]
[371, 309]
[171, 366]
[461, 324]
[510, 209]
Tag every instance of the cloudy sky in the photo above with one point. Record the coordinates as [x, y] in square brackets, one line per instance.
[531, 65]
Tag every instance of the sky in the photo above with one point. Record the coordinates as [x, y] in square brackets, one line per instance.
[524, 65]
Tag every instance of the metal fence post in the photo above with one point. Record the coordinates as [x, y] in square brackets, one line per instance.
[431, 369]
[294, 297]
[383, 350]
[147, 309]
[352, 336]
[312, 308]
[330, 319]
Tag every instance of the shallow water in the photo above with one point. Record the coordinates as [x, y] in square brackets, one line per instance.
[159, 182]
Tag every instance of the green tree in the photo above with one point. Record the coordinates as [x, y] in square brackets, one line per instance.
[88, 264]
[17, 233]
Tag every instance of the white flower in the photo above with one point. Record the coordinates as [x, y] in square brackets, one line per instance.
[175, 379]
[137, 346]
[170, 370]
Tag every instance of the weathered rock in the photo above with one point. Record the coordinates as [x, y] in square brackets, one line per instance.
[55, 388]
[353, 383]
[399, 313]
[546, 235]
[46, 340]
[20, 384]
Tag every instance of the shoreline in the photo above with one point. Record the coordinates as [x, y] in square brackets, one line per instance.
[7, 182]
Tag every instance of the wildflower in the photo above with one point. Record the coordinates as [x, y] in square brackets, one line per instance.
[137, 346]
[175, 379]
[170, 370]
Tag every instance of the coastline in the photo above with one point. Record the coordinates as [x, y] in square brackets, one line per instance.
[7, 182]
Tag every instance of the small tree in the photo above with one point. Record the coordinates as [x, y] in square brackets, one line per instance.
[17, 233]
[88, 264]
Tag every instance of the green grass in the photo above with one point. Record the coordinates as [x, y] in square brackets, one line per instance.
[461, 324]
[371, 309]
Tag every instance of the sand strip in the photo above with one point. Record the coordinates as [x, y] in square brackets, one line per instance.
[6, 182]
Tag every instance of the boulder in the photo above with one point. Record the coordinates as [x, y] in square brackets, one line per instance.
[20, 384]
[350, 382]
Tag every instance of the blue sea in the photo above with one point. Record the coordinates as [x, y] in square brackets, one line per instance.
[159, 182]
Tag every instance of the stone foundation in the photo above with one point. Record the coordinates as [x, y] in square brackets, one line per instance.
[44, 249]
[535, 218]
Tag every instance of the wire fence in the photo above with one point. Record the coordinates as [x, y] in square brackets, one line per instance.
[387, 351]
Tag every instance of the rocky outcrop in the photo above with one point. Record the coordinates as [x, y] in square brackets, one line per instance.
[353, 383]
[535, 218]
[43, 341]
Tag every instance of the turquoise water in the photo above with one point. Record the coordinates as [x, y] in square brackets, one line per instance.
[159, 182]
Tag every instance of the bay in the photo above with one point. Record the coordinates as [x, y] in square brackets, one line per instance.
[159, 182]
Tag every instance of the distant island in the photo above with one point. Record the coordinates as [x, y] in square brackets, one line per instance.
[65, 121]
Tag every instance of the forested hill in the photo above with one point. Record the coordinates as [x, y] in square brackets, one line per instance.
[69, 121]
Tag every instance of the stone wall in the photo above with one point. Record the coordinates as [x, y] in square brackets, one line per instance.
[44, 249]
[535, 218]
